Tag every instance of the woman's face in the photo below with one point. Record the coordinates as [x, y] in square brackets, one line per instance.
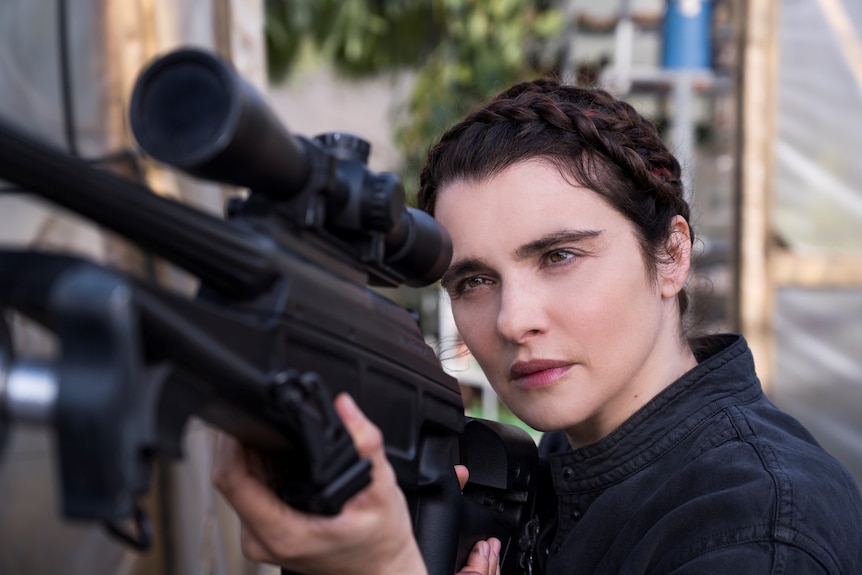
[551, 294]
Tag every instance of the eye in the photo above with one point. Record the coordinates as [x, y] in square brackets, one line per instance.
[473, 283]
[467, 285]
[559, 256]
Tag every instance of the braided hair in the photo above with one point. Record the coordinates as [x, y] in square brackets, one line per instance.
[600, 142]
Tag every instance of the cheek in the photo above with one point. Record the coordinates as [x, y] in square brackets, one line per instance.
[476, 327]
[615, 318]
[599, 312]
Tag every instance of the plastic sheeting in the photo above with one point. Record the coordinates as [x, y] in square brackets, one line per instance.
[818, 208]
[819, 373]
[818, 175]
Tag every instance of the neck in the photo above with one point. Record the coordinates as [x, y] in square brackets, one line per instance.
[671, 359]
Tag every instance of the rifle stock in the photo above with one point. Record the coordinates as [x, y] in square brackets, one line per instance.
[283, 321]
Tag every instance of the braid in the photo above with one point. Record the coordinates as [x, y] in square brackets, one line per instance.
[601, 142]
[605, 127]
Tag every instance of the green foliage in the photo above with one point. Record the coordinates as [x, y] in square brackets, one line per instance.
[486, 46]
[360, 37]
[463, 51]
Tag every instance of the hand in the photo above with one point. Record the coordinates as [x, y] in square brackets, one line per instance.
[484, 559]
[373, 533]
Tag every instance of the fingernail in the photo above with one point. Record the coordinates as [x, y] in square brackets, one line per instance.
[496, 545]
[349, 409]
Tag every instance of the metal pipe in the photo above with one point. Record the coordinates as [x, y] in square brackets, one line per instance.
[28, 390]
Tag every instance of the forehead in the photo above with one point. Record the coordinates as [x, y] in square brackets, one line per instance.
[522, 202]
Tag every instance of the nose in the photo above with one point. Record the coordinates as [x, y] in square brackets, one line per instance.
[521, 315]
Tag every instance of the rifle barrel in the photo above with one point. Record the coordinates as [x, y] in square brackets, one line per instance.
[220, 254]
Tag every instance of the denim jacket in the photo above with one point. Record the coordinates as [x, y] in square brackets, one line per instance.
[709, 477]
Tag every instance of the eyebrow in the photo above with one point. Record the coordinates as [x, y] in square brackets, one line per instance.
[471, 266]
[549, 241]
[462, 268]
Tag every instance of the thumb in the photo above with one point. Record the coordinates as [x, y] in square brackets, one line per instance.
[463, 475]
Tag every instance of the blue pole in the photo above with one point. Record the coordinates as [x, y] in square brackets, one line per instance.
[687, 42]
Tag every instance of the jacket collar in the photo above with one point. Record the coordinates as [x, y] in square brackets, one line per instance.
[724, 376]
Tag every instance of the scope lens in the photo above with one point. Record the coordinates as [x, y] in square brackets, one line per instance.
[173, 109]
[418, 248]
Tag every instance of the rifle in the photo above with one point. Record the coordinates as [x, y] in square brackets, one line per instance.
[283, 320]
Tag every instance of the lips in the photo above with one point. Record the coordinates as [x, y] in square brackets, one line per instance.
[538, 372]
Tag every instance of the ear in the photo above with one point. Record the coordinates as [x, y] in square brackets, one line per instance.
[673, 273]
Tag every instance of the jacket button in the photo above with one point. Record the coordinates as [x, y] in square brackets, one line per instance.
[576, 514]
[568, 473]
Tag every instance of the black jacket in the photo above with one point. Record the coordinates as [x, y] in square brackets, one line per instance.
[709, 477]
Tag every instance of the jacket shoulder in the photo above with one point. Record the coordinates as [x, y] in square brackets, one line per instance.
[797, 493]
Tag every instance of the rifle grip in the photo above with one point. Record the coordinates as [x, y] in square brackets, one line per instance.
[437, 520]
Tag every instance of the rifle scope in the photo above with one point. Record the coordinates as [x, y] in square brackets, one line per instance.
[192, 110]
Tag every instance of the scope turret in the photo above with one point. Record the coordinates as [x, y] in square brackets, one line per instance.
[192, 110]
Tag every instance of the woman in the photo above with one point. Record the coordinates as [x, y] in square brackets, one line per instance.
[572, 246]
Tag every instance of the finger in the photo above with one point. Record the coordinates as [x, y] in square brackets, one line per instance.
[254, 502]
[232, 475]
[463, 475]
[366, 436]
[257, 465]
[483, 559]
[231, 465]
[368, 440]
[496, 545]
[252, 547]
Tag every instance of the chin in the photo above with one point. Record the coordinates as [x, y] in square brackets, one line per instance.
[540, 421]
[541, 413]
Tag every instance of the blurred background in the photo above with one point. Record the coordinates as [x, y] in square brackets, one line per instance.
[761, 100]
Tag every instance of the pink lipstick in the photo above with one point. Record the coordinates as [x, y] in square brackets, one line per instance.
[538, 372]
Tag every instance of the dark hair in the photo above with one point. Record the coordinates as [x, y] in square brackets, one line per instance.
[600, 141]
